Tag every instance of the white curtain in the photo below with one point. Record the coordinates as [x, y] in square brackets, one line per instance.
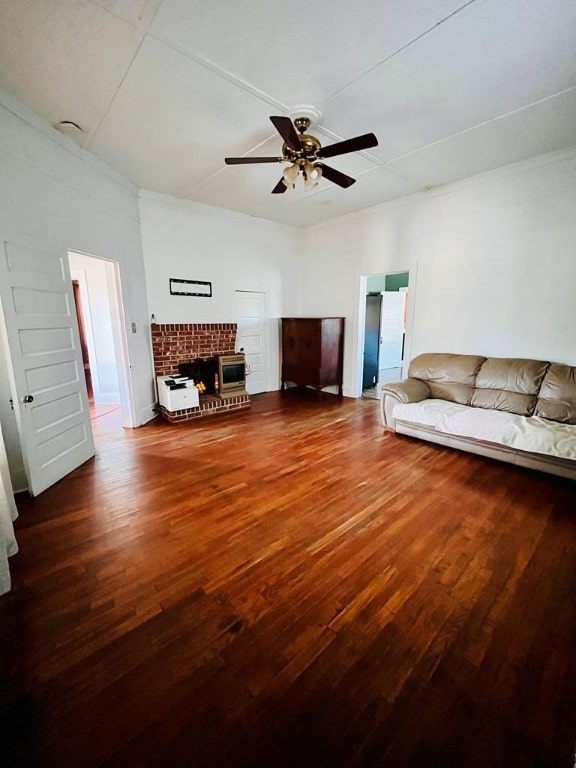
[8, 514]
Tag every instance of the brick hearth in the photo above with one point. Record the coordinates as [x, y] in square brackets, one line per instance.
[209, 406]
[174, 343]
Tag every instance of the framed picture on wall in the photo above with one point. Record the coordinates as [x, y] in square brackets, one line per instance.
[190, 287]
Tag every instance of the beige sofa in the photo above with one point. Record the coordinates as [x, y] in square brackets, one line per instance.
[516, 410]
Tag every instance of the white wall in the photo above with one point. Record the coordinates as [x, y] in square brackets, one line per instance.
[95, 292]
[233, 251]
[491, 260]
[52, 191]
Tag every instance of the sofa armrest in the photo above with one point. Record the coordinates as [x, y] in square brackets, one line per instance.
[407, 391]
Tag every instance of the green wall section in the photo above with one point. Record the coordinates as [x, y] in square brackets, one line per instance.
[379, 283]
[397, 281]
[376, 284]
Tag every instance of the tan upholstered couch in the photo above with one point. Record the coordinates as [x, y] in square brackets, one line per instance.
[516, 410]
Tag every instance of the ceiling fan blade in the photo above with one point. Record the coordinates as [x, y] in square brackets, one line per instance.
[285, 128]
[365, 141]
[337, 177]
[246, 160]
[280, 187]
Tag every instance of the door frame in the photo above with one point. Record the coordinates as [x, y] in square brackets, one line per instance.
[361, 314]
[120, 338]
[12, 429]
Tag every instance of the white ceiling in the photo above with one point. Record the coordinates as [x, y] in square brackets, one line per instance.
[165, 89]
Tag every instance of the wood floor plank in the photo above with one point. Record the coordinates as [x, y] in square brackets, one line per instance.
[290, 587]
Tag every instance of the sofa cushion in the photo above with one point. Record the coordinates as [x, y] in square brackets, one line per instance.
[533, 434]
[557, 396]
[509, 384]
[450, 377]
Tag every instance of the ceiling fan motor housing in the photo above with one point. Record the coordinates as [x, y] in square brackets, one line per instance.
[309, 145]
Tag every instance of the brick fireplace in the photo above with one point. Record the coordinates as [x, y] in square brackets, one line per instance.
[173, 344]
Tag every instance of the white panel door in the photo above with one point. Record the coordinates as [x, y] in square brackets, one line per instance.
[391, 329]
[251, 337]
[49, 389]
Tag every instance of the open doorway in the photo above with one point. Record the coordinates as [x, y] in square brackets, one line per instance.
[384, 331]
[102, 339]
[41, 365]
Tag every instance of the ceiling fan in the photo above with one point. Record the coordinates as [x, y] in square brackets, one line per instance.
[304, 152]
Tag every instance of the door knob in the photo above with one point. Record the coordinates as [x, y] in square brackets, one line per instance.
[27, 398]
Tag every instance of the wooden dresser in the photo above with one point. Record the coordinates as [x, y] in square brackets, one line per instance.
[313, 351]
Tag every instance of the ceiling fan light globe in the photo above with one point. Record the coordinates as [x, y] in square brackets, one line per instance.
[290, 175]
[312, 175]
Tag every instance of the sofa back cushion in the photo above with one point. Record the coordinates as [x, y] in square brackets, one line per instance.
[450, 377]
[509, 384]
[557, 396]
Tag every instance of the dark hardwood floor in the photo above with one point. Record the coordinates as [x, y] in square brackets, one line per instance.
[292, 588]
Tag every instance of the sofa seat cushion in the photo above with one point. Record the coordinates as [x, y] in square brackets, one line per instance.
[449, 377]
[557, 396]
[509, 384]
[533, 433]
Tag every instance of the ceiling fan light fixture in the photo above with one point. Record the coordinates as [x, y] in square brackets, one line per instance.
[290, 175]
